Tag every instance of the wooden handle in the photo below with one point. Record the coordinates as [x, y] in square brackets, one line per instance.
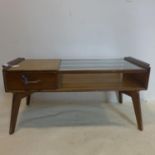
[13, 62]
[138, 62]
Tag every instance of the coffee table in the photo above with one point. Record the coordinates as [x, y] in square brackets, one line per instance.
[23, 77]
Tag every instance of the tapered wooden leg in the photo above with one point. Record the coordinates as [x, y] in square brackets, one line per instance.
[28, 99]
[14, 112]
[15, 108]
[120, 97]
[137, 109]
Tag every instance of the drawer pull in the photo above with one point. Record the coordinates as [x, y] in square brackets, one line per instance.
[26, 81]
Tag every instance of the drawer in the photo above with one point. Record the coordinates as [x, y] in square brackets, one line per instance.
[28, 80]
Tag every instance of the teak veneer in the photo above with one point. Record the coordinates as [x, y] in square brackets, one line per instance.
[22, 77]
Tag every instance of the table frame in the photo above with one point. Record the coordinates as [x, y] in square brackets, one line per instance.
[139, 79]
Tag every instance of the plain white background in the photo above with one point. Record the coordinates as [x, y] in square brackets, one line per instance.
[78, 29]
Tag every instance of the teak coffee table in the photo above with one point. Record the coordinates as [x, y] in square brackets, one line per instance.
[22, 77]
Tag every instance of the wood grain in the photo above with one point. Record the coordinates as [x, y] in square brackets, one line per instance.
[37, 64]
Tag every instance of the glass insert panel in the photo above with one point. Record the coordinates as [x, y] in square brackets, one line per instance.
[97, 64]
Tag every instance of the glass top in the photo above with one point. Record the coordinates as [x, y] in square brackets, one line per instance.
[97, 64]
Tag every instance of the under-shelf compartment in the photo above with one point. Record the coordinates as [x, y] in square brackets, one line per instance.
[97, 82]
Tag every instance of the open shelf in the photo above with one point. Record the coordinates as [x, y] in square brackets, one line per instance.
[97, 82]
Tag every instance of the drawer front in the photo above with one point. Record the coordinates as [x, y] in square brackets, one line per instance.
[37, 81]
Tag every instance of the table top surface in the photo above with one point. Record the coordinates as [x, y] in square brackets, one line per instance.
[36, 65]
[74, 65]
